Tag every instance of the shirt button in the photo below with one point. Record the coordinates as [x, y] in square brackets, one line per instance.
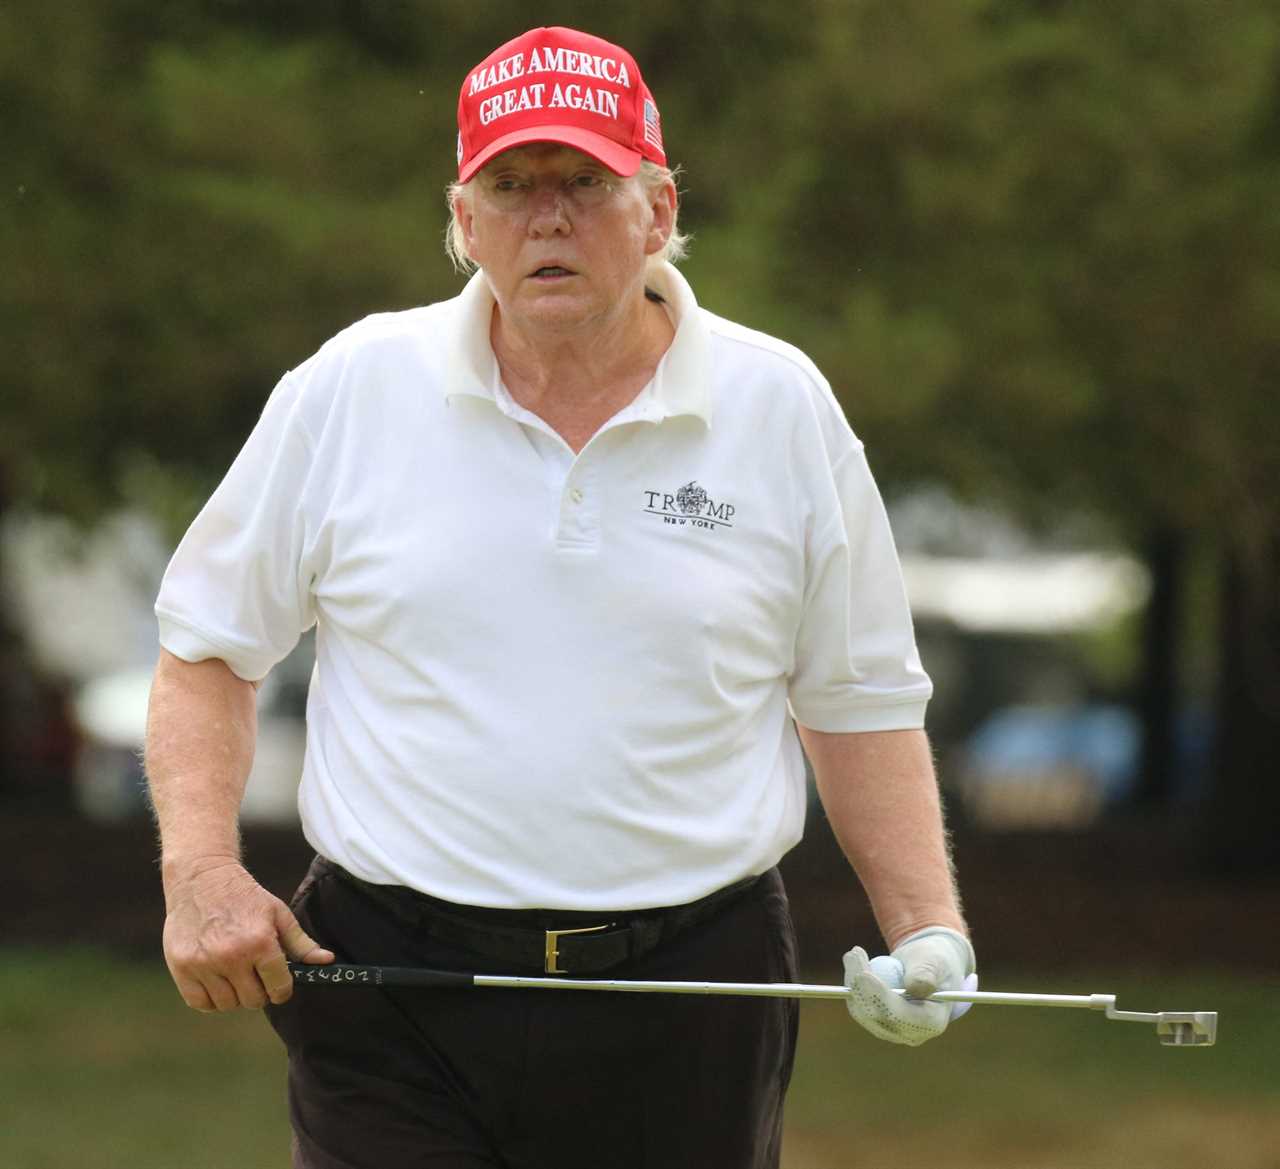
[576, 495]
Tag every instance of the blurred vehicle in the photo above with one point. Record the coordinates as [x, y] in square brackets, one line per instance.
[111, 714]
[1049, 766]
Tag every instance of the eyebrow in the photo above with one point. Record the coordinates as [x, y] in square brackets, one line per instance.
[525, 158]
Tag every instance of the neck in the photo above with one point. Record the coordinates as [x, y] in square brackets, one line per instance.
[600, 365]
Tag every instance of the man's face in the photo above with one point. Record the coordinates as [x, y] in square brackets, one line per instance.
[562, 239]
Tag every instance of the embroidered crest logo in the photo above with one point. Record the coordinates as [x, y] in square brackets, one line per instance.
[690, 506]
[691, 498]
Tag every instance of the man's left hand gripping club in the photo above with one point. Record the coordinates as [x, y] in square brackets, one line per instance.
[936, 958]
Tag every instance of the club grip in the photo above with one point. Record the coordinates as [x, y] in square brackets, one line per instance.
[350, 974]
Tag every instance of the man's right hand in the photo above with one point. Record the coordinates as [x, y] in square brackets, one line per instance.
[228, 942]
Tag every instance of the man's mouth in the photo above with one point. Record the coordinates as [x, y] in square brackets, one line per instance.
[551, 270]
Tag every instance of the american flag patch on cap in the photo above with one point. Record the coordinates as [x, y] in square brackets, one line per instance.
[652, 127]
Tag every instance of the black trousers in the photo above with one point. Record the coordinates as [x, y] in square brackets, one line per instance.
[539, 1079]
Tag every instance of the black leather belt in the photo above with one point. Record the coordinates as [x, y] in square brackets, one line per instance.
[553, 941]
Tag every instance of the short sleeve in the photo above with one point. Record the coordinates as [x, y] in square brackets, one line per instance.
[856, 665]
[238, 587]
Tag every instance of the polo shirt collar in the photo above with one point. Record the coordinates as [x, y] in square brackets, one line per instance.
[682, 381]
[681, 384]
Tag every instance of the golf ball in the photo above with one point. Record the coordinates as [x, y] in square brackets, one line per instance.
[888, 970]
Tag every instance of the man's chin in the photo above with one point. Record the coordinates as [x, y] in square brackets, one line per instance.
[555, 312]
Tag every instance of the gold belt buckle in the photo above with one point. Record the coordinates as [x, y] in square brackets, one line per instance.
[554, 936]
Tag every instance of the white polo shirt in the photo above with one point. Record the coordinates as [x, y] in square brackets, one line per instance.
[548, 680]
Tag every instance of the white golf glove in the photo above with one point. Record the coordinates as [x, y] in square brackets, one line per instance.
[931, 959]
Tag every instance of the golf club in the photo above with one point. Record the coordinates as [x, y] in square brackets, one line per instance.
[1174, 1028]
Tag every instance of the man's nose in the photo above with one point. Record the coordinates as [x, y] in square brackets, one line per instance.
[548, 212]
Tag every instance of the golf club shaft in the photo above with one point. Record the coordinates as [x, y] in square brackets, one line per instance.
[343, 974]
[791, 990]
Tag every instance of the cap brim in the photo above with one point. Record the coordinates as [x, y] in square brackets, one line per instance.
[618, 158]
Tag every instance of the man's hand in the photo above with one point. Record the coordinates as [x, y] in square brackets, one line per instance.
[227, 941]
[930, 959]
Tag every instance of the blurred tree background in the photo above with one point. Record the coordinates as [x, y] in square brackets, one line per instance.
[1035, 244]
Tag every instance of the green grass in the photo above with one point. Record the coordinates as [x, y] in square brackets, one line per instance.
[102, 1067]
[1047, 1089]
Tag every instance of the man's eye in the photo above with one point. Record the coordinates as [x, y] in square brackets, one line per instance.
[587, 180]
[507, 184]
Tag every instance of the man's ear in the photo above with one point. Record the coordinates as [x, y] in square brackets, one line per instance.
[663, 206]
[466, 221]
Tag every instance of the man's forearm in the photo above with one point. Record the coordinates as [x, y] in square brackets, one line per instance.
[881, 797]
[227, 940]
[201, 729]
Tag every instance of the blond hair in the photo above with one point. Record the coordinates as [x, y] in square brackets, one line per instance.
[651, 177]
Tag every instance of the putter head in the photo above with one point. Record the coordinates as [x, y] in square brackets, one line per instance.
[1187, 1028]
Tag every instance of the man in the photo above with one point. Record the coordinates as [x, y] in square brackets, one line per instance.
[578, 553]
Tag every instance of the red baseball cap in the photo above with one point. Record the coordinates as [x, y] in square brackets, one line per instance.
[559, 85]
